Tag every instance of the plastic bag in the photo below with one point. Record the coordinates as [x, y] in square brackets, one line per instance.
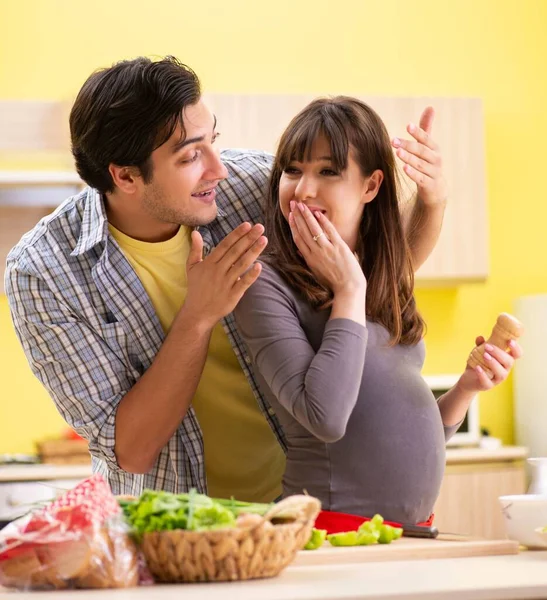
[78, 541]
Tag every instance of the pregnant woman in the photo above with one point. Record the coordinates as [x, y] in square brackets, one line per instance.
[333, 329]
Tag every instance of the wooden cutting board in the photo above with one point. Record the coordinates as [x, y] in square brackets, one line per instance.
[444, 546]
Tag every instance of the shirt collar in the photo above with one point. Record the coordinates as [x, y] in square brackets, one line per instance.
[94, 228]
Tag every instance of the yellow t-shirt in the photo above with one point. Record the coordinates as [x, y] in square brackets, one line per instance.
[242, 456]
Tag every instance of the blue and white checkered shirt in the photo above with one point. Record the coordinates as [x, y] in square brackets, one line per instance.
[89, 330]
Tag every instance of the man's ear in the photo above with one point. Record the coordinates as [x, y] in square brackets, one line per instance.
[127, 179]
[372, 185]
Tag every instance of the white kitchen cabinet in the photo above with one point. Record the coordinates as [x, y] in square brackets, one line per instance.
[14, 222]
[257, 121]
[461, 254]
[18, 498]
[474, 480]
[26, 197]
[22, 487]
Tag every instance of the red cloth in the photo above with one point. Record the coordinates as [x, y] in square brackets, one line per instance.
[76, 513]
[336, 522]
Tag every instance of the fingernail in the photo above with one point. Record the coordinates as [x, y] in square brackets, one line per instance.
[411, 127]
[400, 153]
[512, 343]
[487, 356]
[317, 214]
[301, 206]
[479, 369]
[291, 204]
[396, 142]
[489, 347]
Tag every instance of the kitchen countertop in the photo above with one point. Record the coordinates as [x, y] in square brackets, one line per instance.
[47, 472]
[456, 456]
[41, 472]
[522, 576]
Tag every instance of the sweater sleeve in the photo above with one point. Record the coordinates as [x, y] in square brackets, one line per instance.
[450, 430]
[319, 389]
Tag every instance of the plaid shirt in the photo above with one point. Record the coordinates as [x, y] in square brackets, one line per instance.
[89, 330]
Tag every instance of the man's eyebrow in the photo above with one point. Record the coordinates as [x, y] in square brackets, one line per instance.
[186, 142]
[180, 145]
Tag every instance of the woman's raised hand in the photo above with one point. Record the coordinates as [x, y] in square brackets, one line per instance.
[325, 252]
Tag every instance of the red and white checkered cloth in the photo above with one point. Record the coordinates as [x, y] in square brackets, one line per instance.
[79, 511]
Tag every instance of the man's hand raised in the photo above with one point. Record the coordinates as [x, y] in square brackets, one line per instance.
[217, 282]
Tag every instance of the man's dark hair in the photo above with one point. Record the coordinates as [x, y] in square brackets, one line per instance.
[123, 113]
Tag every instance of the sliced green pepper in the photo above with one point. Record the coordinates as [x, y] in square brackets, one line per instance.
[318, 536]
[377, 520]
[386, 534]
[370, 527]
[367, 538]
[368, 534]
[346, 538]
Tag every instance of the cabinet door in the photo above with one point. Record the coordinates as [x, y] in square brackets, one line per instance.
[14, 222]
[258, 120]
[468, 502]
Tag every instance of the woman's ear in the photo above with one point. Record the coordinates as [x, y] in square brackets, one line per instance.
[372, 186]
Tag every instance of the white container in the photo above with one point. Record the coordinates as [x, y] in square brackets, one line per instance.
[538, 483]
[523, 515]
[530, 377]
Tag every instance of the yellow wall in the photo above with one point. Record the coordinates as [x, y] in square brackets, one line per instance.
[493, 49]
[26, 411]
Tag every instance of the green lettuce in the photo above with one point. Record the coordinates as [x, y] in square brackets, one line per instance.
[164, 511]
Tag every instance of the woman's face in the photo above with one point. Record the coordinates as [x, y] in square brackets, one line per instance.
[340, 196]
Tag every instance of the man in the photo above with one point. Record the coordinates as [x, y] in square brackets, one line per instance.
[122, 298]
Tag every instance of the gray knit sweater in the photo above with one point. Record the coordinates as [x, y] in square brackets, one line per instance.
[363, 429]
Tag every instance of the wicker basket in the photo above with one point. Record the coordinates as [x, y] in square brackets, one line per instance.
[258, 547]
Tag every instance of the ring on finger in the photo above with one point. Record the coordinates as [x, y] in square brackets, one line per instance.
[316, 237]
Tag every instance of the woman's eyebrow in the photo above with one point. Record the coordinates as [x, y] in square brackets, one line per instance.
[329, 158]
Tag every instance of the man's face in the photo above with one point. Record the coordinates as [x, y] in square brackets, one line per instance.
[185, 173]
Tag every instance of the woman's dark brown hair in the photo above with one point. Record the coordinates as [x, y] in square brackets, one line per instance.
[350, 126]
[123, 113]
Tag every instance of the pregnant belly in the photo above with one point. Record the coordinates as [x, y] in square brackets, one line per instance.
[391, 463]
